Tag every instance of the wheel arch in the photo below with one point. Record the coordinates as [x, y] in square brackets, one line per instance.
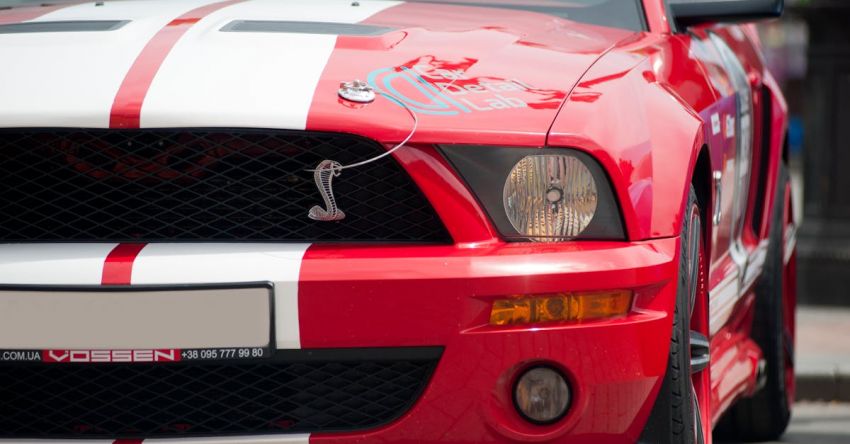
[702, 182]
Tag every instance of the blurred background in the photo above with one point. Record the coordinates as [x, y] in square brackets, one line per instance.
[808, 51]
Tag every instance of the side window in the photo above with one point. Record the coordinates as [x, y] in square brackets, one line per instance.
[704, 51]
[743, 127]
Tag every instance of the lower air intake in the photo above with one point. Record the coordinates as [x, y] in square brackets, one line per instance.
[299, 392]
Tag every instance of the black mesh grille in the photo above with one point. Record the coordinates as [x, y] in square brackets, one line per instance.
[177, 399]
[201, 185]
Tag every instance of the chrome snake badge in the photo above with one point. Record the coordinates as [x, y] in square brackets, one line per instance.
[324, 175]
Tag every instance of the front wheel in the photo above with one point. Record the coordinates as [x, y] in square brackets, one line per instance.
[687, 382]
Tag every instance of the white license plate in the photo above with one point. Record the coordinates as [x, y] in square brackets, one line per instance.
[135, 325]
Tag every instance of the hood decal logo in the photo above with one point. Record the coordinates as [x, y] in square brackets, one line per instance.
[449, 92]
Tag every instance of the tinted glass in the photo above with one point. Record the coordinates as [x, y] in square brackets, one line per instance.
[626, 14]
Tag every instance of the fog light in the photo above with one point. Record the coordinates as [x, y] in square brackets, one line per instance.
[560, 307]
[542, 395]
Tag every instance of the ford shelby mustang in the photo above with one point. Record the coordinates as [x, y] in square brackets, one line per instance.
[337, 221]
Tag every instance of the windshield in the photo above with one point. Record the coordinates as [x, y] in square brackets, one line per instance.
[626, 14]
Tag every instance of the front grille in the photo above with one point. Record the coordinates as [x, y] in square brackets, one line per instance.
[201, 185]
[298, 392]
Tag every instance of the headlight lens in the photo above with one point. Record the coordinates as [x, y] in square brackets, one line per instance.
[540, 194]
[550, 197]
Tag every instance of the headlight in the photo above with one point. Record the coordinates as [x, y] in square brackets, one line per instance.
[542, 195]
[550, 197]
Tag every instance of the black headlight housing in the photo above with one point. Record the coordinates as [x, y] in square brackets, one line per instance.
[523, 189]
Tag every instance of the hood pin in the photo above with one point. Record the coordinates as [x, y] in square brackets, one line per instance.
[357, 91]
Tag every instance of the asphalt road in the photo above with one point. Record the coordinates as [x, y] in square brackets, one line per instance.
[818, 423]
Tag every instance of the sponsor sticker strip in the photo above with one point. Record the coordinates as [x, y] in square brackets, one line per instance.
[135, 356]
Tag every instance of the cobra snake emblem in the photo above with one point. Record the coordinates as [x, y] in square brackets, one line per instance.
[323, 175]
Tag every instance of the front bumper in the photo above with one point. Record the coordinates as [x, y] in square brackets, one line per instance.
[412, 296]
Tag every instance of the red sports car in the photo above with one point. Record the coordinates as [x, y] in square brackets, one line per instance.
[369, 221]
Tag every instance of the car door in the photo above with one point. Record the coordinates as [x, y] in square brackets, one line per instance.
[729, 131]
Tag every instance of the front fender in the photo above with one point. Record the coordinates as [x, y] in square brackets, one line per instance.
[628, 112]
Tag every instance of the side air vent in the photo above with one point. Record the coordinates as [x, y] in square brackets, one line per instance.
[65, 26]
[304, 27]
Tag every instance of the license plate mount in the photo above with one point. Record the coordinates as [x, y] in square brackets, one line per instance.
[99, 325]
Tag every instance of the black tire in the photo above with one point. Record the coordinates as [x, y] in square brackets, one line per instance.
[674, 417]
[765, 416]
[683, 423]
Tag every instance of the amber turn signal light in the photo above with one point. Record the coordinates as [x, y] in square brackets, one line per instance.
[560, 307]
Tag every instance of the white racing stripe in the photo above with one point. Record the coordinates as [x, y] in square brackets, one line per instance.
[301, 438]
[69, 79]
[280, 439]
[199, 263]
[53, 264]
[54, 441]
[246, 79]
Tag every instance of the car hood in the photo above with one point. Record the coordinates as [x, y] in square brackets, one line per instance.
[466, 74]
